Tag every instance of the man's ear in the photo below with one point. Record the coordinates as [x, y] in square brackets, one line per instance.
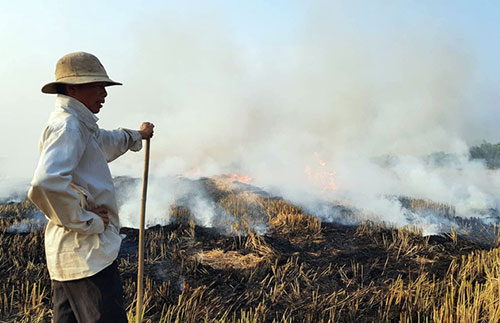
[70, 89]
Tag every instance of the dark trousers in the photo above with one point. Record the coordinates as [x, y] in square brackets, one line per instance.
[98, 298]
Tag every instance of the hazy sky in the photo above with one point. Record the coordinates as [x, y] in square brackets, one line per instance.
[255, 56]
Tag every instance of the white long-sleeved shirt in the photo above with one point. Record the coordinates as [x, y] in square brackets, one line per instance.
[73, 177]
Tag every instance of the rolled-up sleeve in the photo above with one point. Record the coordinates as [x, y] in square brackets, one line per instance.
[115, 143]
[51, 191]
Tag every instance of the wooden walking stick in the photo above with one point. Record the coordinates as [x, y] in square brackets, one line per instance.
[140, 271]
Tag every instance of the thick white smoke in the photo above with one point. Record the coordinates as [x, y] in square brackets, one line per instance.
[334, 97]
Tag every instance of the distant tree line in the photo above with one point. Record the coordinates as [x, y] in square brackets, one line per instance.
[487, 152]
[490, 153]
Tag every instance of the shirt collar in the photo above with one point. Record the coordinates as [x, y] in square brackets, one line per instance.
[78, 109]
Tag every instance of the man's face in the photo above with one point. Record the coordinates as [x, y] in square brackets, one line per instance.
[91, 95]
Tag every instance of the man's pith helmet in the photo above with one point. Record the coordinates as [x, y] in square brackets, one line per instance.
[78, 68]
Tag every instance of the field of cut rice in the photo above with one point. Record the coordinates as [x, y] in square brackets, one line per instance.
[299, 270]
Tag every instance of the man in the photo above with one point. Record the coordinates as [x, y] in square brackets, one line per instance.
[73, 187]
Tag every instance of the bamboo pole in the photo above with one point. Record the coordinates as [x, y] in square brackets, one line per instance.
[140, 271]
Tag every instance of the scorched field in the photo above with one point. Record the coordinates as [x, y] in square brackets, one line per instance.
[296, 270]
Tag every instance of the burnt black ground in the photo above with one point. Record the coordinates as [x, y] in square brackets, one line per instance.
[295, 273]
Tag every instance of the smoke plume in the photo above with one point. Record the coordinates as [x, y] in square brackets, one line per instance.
[308, 118]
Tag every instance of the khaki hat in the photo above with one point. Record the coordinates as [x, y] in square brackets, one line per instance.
[78, 68]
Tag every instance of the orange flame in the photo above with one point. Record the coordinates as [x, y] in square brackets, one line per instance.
[194, 172]
[240, 178]
[321, 176]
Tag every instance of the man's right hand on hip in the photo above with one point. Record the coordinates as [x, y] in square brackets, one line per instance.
[103, 213]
